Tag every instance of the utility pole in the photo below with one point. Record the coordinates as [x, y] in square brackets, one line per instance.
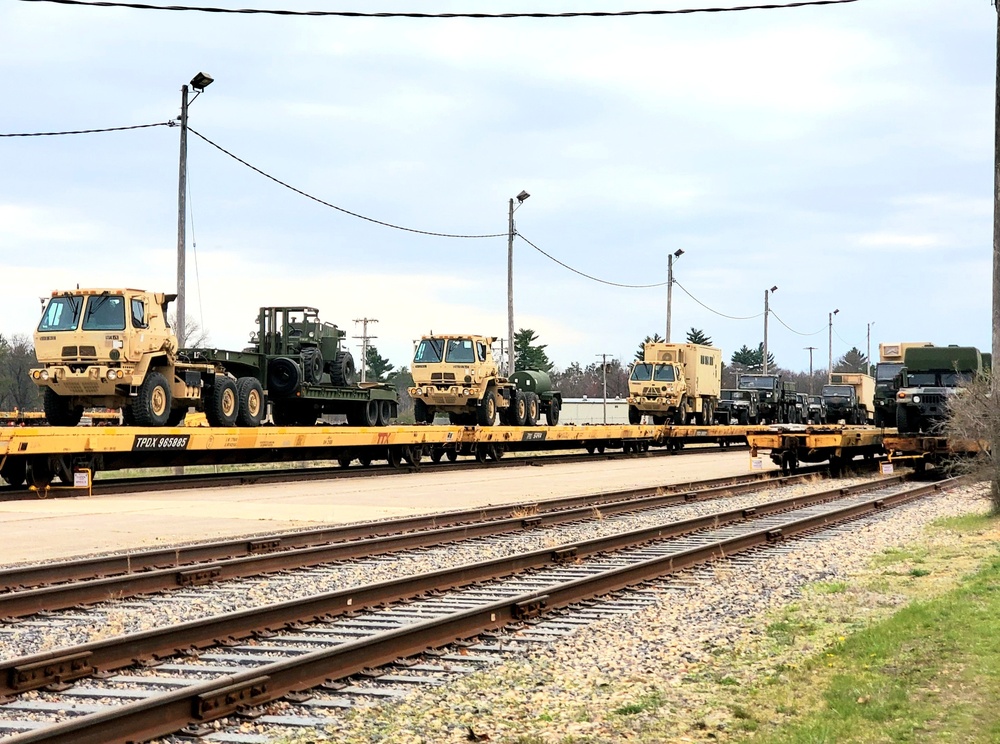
[996, 208]
[670, 286]
[510, 279]
[868, 351]
[811, 350]
[829, 372]
[766, 311]
[365, 338]
[604, 370]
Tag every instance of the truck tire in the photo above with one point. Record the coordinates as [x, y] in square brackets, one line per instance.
[385, 412]
[363, 414]
[152, 406]
[742, 418]
[421, 413]
[59, 411]
[486, 411]
[177, 416]
[283, 377]
[222, 404]
[634, 415]
[250, 397]
[518, 408]
[312, 366]
[904, 422]
[552, 414]
[342, 372]
[531, 412]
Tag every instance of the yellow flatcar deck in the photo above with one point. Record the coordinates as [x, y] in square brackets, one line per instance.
[787, 446]
[917, 450]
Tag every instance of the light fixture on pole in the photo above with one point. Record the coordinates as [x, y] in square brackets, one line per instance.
[829, 373]
[868, 351]
[670, 286]
[199, 82]
[510, 280]
[766, 311]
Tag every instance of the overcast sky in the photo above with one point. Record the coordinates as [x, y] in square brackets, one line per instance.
[843, 153]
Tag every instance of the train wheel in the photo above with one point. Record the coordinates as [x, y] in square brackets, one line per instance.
[495, 452]
[365, 460]
[14, 471]
[451, 454]
[413, 454]
[395, 456]
[482, 452]
[437, 452]
[345, 459]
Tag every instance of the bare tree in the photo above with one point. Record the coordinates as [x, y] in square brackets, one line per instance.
[17, 357]
[194, 336]
[973, 422]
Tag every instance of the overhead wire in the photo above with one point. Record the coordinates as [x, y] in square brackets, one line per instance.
[358, 14]
[90, 131]
[584, 274]
[711, 310]
[798, 333]
[334, 206]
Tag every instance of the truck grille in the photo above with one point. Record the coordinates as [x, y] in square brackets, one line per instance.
[69, 351]
[75, 352]
[932, 400]
[442, 377]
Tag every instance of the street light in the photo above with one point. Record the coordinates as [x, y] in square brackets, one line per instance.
[766, 311]
[670, 286]
[510, 280]
[829, 374]
[199, 82]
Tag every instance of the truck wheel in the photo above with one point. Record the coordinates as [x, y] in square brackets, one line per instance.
[152, 406]
[385, 412]
[531, 412]
[59, 411]
[312, 365]
[659, 420]
[486, 411]
[634, 415]
[342, 372]
[742, 418]
[519, 409]
[14, 471]
[250, 397]
[222, 404]
[904, 422]
[552, 415]
[283, 377]
[282, 413]
[422, 414]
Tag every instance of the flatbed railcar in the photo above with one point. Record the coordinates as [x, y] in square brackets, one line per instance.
[789, 445]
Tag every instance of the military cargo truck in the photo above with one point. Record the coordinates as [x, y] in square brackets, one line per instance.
[457, 374]
[930, 376]
[778, 401]
[679, 383]
[113, 348]
[886, 376]
[737, 407]
[849, 398]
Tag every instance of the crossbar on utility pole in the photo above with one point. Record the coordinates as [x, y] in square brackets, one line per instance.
[365, 338]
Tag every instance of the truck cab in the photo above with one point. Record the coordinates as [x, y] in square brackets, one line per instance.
[457, 374]
[929, 378]
[841, 403]
[738, 407]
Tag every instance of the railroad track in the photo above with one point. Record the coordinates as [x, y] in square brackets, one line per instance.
[146, 484]
[26, 590]
[261, 655]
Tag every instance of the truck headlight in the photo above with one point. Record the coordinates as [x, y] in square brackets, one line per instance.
[465, 391]
[916, 398]
[45, 374]
[112, 374]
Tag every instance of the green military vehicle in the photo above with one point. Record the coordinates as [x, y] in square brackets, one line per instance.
[930, 376]
[779, 403]
[737, 407]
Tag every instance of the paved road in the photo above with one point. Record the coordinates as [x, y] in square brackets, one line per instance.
[58, 528]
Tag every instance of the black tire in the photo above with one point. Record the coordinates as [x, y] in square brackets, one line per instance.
[128, 416]
[250, 399]
[177, 416]
[345, 459]
[456, 419]
[59, 411]
[364, 414]
[365, 460]
[342, 371]
[14, 471]
[437, 452]
[486, 411]
[283, 413]
[742, 418]
[283, 377]
[904, 422]
[451, 454]
[518, 409]
[634, 415]
[531, 414]
[552, 414]
[386, 412]
[222, 404]
[312, 365]
[421, 413]
[659, 420]
[152, 406]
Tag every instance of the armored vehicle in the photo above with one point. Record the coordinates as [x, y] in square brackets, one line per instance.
[675, 382]
[817, 410]
[849, 397]
[778, 402]
[457, 375]
[113, 348]
[886, 378]
[931, 375]
[737, 407]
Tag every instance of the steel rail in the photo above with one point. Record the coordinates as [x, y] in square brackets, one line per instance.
[171, 711]
[36, 575]
[61, 665]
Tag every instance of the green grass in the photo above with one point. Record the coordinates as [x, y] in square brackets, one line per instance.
[929, 673]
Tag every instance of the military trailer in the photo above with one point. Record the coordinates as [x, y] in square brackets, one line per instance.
[849, 398]
[457, 374]
[930, 376]
[778, 401]
[113, 348]
[886, 377]
[679, 383]
[737, 407]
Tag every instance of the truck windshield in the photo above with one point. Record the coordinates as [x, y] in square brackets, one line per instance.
[664, 373]
[429, 351]
[921, 379]
[884, 372]
[733, 395]
[954, 379]
[832, 391]
[642, 372]
[105, 313]
[61, 314]
[750, 382]
[460, 351]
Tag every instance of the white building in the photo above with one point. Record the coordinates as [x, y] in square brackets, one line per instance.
[593, 411]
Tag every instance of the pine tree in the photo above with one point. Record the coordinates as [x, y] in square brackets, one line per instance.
[527, 354]
[697, 336]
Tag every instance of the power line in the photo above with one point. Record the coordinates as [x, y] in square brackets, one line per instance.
[334, 206]
[711, 310]
[588, 276]
[798, 333]
[355, 14]
[90, 131]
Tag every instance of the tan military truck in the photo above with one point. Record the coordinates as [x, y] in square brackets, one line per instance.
[113, 348]
[456, 374]
[679, 383]
[850, 397]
